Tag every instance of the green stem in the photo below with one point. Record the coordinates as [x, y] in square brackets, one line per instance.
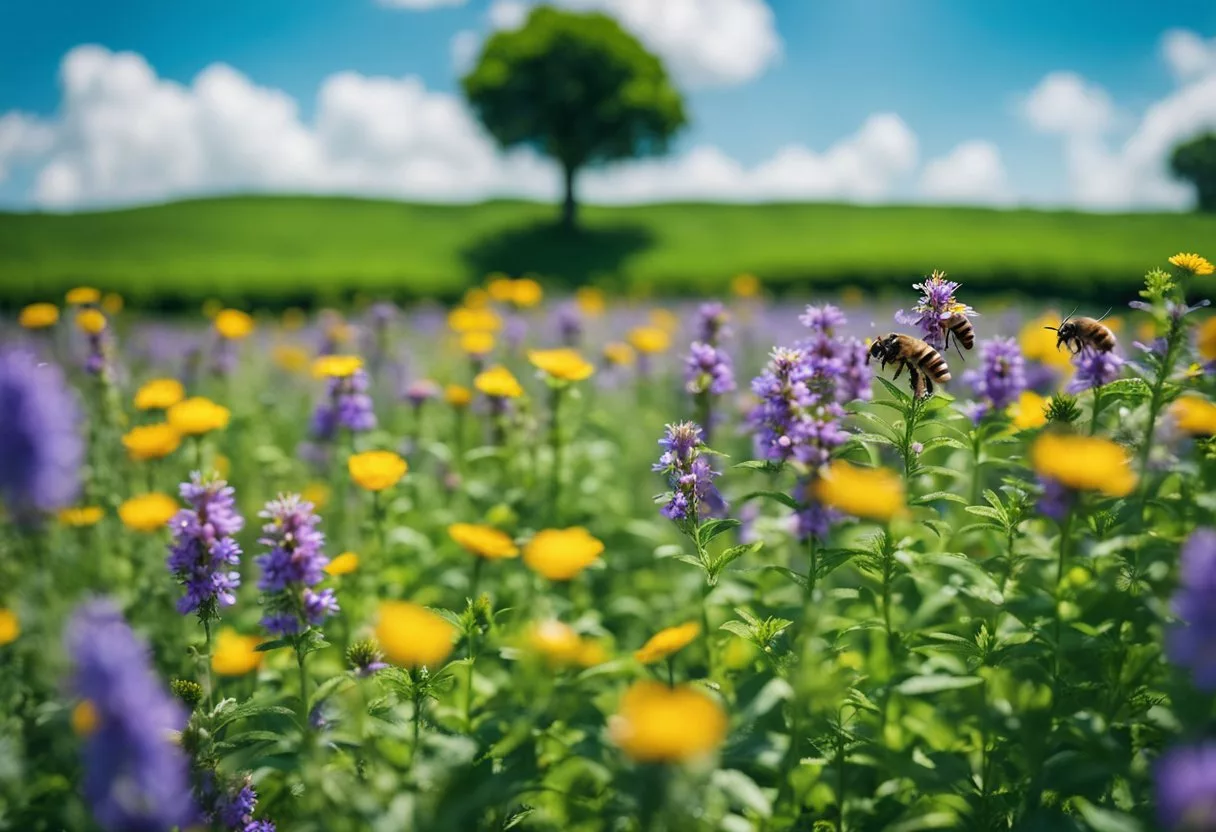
[709, 645]
[705, 415]
[300, 657]
[468, 696]
[1154, 410]
[417, 720]
[840, 775]
[555, 440]
[977, 448]
[378, 519]
[1093, 422]
[207, 661]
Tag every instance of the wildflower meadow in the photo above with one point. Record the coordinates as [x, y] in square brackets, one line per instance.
[569, 562]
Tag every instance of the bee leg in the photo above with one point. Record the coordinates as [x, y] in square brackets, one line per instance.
[928, 386]
[917, 380]
[899, 369]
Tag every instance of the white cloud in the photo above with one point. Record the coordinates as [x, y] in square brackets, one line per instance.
[465, 45]
[971, 173]
[419, 5]
[1066, 103]
[508, 14]
[21, 137]
[1188, 55]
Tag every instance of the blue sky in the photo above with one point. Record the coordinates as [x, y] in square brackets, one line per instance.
[952, 71]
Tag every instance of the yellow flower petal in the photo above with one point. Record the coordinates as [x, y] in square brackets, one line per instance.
[658, 724]
[1194, 415]
[235, 654]
[483, 541]
[336, 366]
[233, 324]
[159, 394]
[561, 554]
[148, 512]
[563, 364]
[499, 383]
[871, 493]
[81, 517]
[667, 642]
[39, 316]
[1192, 263]
[156, 441]
[1028, 411]
[196, 416]
[10, 626]
[412, 636]
[377, 470]
[1084, 463]
[343, 564]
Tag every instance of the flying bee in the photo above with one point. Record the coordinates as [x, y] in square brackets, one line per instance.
[960, 326]
[1082, 333]
[925, 364]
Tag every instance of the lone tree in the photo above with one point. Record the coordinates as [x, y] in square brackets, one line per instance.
[578, 88]
[1195, 161]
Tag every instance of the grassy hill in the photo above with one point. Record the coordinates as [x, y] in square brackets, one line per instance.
[293, 249]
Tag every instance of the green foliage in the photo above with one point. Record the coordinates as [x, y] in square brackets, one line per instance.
[1195, 161]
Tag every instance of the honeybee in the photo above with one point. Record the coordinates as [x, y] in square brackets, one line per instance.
[925, 364]
[1082, 333]
[960, 326]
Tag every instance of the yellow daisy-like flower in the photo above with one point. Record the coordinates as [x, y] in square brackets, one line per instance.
[457, 396]
[343, 564]
[590, 301]
[376, 470]
[197, 415]
[290, 357]
[872, 493]
[619, 354]
[745, 286]
[10, 626]
[146, 442]
[336, 366]
[1194, 415]
[526, 293]
[658, 724]
[112, 303]
[1084, 463]
[1207, 339]
[561, 646]
[476, 298]
[1039, 344]
[667, 642]
[84, 719]
[39, 316]
[476, 342]
[484, 541]
[233, 324]
[561, 554]
[235, 654]
[500, 288]
[148, 512]
[1193, 263]
[498, 382]
[1029, 411]
[82, 296]
[474, 319]
[91, 321]
[81, 516]
[649, 339]
[412, 636]
[563, 364]
[159, 394]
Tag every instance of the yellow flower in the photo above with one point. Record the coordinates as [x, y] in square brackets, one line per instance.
[39, 316]
[498, 382]
[561, 554]
[235, 654]
[293, 318]
[476, 342]
[500, 288]
[376, 470]
[112, 303]
[1207, 339]
[290, 357]
[658, 724]
[872, 493]
[560, 645]
[665, 319]
[1195, 415]
[1039, 344]
[526, 293]
[84, 718]
[1084, 463]
[90, 321]
[476, 298]
[159, 394]
[81, 516]
[10, 626]
[590, 301]
[457, 396]
[474, 319]
[82, 296]
[667, 642]
[148, 512]
[196, 416]
[316, 493]
[336, 366]
[649, 339]
[484, 541]
[563, 364]
[412, 636]
[146, 442]
[1192, 263]
[343, 564]
[233, 324]
[1028, 412]
[745, 286]
[619, 354]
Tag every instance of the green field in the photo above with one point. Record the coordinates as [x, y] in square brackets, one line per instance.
[300, 249]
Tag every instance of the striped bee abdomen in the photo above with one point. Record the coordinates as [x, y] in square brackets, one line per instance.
[960, 325]
[931, 361]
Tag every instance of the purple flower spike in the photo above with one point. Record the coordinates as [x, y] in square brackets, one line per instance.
[203, 551]
[1186, 788]
[294, 564]
[1193, 643]
[937, 304]
[1094, 369]
[689, 475]
[1001, 379]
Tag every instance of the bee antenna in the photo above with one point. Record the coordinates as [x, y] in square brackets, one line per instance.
[1052, 328]
[1070, 314]
[1104, 314]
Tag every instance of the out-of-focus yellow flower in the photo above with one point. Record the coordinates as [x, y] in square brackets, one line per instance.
[316, 493]
[526, 293]
[1039, 344]
[336, 366]
[148, 512]
[745, 286]
[412, 636]
[561, 554]
[498, 382]
[159, 394]
[1192, 263]
[233, 324]
[590, 301]
[457, 396]
[619, 354]
[658, 724]
[664, 319]
[476, 298]
[91, 321]
[145, 442]
[343, 564]
[872, 493]
[1207, 339]
[39, 316]
[561, 646]
[376, 470]
[82, 296]
[235, 654]
[1194, 415]
[197, 415]
[10, 626]
[500, 288]
[484, 541]
[1084, 463]
[81, 516]
[290, 357]
[84, 718]
[293, 319]
[563, 364]
[649, 339]
[474, 319]
[1029, 411]
[667, 642]
[112, 303]
[476, 342]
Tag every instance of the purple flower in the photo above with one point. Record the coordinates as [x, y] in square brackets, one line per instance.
[712, 323]
[1094, 369]
[515, 331]
[937, 304]
[708, 369]
[319, 606]
[1001, 379]
[136, 779]
[294, 564]
[422, 391]
[1056, 501]
[202, 549]
[346, 405]
[569, 324]
[1186, 787]
[41, 451]
[260, 826]
[237, 809]
[1193, 643]
[689, 475]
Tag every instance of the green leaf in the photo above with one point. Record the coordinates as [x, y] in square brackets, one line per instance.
[897, 394]
[767, 465]
[943, 442]
[733, 554]
[1106, 820]
[267, 646]
[707, 531]
[328, 688]
[742, 790]
[919, 685]
[949, 496]
[739, 628]
[1128, 388]
[250, 710]
[985, 511]
[873, 438]
[775, 496]
[791, 574]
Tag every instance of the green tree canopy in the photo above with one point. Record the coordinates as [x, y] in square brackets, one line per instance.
[577, 88]
[1195, 161]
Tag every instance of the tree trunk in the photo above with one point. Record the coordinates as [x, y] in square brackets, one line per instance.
[569, 206]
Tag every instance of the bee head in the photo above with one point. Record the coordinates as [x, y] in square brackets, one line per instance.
[879, 347]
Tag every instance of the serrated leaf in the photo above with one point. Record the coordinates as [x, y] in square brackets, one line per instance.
[949, 496]
[791, 574]
[738, 628]
[985, 511]
[875, 438]
[920, 685]
[943, 442]
[733, 554]
[689, 559]
[1128, 388]
[249, 710]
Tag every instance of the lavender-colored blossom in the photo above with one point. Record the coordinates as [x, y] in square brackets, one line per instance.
[689, 475]
[236, 811]
[515, 331]
[294, 564]
[260, 826]
[1000, 379]
[203, 550]
[712, 323]
[1193, 643]
[708, 369]
[1057, 500]
[1094, 369]
[41, 451]
[1186, 787]
[422, 391]
[937, 304]
[569, 324]
[346, 405]
[136, 779]
[223, 357]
